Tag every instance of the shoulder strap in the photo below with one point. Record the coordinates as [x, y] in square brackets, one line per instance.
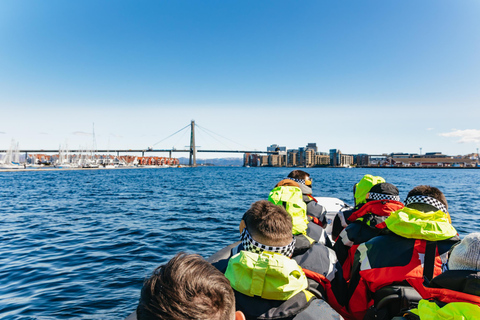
[429, 260]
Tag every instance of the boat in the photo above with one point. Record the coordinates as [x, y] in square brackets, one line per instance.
[11, 160]
[331, 204]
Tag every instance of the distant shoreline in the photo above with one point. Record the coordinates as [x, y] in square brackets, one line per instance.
[212, 166]
[88, 169]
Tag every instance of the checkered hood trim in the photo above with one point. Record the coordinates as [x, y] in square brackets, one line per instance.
[298, 180]
[428, 200]
[381, 196]
[253, 246]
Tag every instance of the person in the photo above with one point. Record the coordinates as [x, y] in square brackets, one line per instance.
[454, 294]
[187, 287]
[288, 194]
[268, 284]
[360, 191]
[420, 230]
[315, 211]
[366, 223]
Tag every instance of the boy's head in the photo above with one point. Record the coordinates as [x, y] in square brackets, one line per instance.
[187, 287]
[383, 191]
[426, 198]
[300, 177]
[268, 224]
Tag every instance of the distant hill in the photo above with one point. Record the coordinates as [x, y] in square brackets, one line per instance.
[230, 162]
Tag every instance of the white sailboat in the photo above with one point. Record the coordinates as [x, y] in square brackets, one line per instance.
[11, 160]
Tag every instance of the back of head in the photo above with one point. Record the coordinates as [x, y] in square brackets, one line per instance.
[187, 287]
[269, 224]
[300, 177]
[426, 198]
[298, 174]
[383, 191]
[466, 255]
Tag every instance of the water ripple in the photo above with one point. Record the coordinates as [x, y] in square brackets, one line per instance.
[78, 244]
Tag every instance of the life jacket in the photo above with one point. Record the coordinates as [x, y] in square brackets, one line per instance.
[449, 296]
[367, 223]
[398, 256]
[415, 224]
[271, 286]
[291, 199]
[364, 186]
[431, 310]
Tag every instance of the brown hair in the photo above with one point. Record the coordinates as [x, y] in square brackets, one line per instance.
[269, 224]
[298, 174]
[428, 191]
[186, 288]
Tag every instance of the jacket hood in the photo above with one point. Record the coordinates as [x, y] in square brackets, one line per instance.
[415, 224]
[305, 189]
[267, 275]
[364, 186]
[291, 199]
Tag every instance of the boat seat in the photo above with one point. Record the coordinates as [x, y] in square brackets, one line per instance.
[393, 300]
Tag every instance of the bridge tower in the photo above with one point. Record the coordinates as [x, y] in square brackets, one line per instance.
[193, 151]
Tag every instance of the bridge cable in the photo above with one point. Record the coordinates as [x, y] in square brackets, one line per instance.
[213, 137]
[180, 138]
[188, 125]
[205, 129]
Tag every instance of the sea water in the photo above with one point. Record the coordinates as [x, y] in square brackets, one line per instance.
[78, 244]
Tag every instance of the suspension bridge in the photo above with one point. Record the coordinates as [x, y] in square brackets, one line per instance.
[192, 149]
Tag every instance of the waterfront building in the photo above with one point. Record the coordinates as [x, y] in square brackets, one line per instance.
[246, 159]
[335, 157]
[322, 159]
[292, 157]
[263, 161]
[275, 160]
[309, 157]
[301, 157]
[346, 160]
[362, 159]
[276, 147]
[312, 146]
[251, 160]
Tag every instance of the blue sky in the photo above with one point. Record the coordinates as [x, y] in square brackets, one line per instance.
[360, 76]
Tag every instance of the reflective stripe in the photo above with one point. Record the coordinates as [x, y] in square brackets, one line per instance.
[345, 240]
[364, 262]
[332, 257]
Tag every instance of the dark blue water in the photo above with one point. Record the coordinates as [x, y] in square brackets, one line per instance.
[78, 244]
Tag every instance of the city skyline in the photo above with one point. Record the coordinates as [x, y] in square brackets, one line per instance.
[364, 77]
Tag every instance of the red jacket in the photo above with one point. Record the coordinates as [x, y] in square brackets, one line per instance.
[388, 259]
[362, 230]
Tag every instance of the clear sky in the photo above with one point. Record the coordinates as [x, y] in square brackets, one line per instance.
[361, 76]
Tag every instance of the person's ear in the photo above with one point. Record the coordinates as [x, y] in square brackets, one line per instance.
[242, 226]
[239, 314]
